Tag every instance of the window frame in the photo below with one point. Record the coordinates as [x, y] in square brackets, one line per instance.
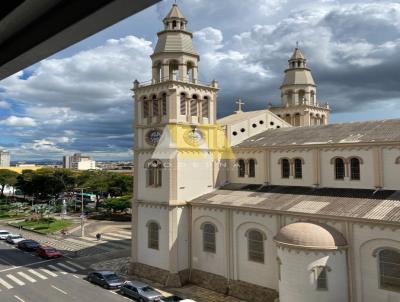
[153, 229]
[209, 235]
[380, 276]
[318, 270]
[355, 171]
[298, 168]
[252, 168]
[154, 173]
[251, 251]
[241, 168]
[285, 168]
[339, 175]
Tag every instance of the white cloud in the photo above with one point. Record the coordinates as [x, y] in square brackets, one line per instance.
[15, 121]
[4, 105]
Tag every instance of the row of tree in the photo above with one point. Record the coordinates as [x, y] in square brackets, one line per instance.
[49, 183]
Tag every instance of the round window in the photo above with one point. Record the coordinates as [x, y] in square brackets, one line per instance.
[234, 133]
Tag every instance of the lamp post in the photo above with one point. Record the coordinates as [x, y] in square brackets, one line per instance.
[82, 214]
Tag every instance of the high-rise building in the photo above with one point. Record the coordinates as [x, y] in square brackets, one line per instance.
[78, 162]
[4, 159]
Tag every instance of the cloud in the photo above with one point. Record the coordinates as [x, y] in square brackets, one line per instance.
[82, 101]
[4, 105]
[15, 121]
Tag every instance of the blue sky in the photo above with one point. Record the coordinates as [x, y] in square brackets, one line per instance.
[80, 98]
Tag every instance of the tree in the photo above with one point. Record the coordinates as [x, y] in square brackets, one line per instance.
[120, 184]
[119, 204]
[7, 178]
[96, 182]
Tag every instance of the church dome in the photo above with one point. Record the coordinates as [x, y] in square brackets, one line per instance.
[310, 235]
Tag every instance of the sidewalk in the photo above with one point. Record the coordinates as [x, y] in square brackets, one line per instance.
[198, 294]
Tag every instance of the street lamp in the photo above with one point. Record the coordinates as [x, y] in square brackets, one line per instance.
[82, 213]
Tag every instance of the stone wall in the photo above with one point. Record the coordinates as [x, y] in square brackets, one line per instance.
[210, 281]
[149, 272]
[251, 292]
[238, 289]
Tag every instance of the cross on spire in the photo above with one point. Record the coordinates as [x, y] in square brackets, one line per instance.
[239, 104]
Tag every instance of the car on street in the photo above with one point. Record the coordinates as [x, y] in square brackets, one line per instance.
[14, 238]
[4, 234]
[140, 291]
[175, 299]
[106, 279]
[48, 252]
[28, 245]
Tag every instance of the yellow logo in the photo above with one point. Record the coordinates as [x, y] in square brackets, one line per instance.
[194, 142]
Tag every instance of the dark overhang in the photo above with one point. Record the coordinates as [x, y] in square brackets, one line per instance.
[32, 30]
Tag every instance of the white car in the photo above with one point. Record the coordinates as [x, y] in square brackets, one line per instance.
[14, 238]
[4, 234]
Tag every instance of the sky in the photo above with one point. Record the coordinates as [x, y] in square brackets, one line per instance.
[79, 100]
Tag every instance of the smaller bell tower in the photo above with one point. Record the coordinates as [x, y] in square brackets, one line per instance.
[300, 106]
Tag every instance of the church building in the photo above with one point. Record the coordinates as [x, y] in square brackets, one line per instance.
[268, 205]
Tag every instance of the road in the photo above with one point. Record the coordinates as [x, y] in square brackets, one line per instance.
[24, 277]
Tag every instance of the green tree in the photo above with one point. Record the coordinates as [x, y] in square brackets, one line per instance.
[95, 182]
[120, 184]
[7, 178]
[119, 204]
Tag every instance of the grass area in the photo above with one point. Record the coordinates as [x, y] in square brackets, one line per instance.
[7, 215]
[44, 226]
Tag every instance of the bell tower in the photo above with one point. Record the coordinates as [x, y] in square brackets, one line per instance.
[175, 126]
[299, 95]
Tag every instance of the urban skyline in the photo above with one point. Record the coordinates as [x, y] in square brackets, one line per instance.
[54, 108]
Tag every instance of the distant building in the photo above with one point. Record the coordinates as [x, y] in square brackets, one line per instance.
[79, 162]
[4, 159]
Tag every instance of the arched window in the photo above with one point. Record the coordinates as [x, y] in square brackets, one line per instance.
[174, 70]
[279, 262]
[209, 242]
[355, 169]
[153, 229]
[255, 241]
[252, 168]
[155, 106]
[205, 107]
[389, 269]
[339, 169]
[145, 108]
[312, 97]
[183, 104]
[298, 168]
[321, 277]
[164, 104]
[193, 106]
[290, 97]
[241, 168]
[302, 97]
[173, 24]
[285, 168]
[154, 173]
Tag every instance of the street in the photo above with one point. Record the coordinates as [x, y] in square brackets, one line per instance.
[25, 277]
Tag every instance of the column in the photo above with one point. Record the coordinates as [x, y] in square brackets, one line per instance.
[183, 72]
[164, 72]
[378, 164]
[194, 74]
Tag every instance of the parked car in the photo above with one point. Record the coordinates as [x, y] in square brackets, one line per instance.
[28, 245]
[108, 280]
[4, 234]
[14, 238]
[140, 291]
[48, 252]
[175, 299]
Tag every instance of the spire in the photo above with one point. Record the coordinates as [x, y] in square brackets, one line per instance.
[175, 13]
[297, 54]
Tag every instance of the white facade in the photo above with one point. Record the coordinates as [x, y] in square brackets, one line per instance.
[183, 230]
[4, 159]
[79, 162]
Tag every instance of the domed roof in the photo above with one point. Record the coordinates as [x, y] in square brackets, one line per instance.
[310, 235]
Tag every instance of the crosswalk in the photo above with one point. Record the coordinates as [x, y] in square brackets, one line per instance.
[23, 276]
[75, 246]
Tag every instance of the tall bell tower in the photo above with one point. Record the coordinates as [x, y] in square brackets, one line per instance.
[300, 106]
[175, 134]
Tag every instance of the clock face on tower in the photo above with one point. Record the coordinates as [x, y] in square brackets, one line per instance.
[193, 137]
[153, 137]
